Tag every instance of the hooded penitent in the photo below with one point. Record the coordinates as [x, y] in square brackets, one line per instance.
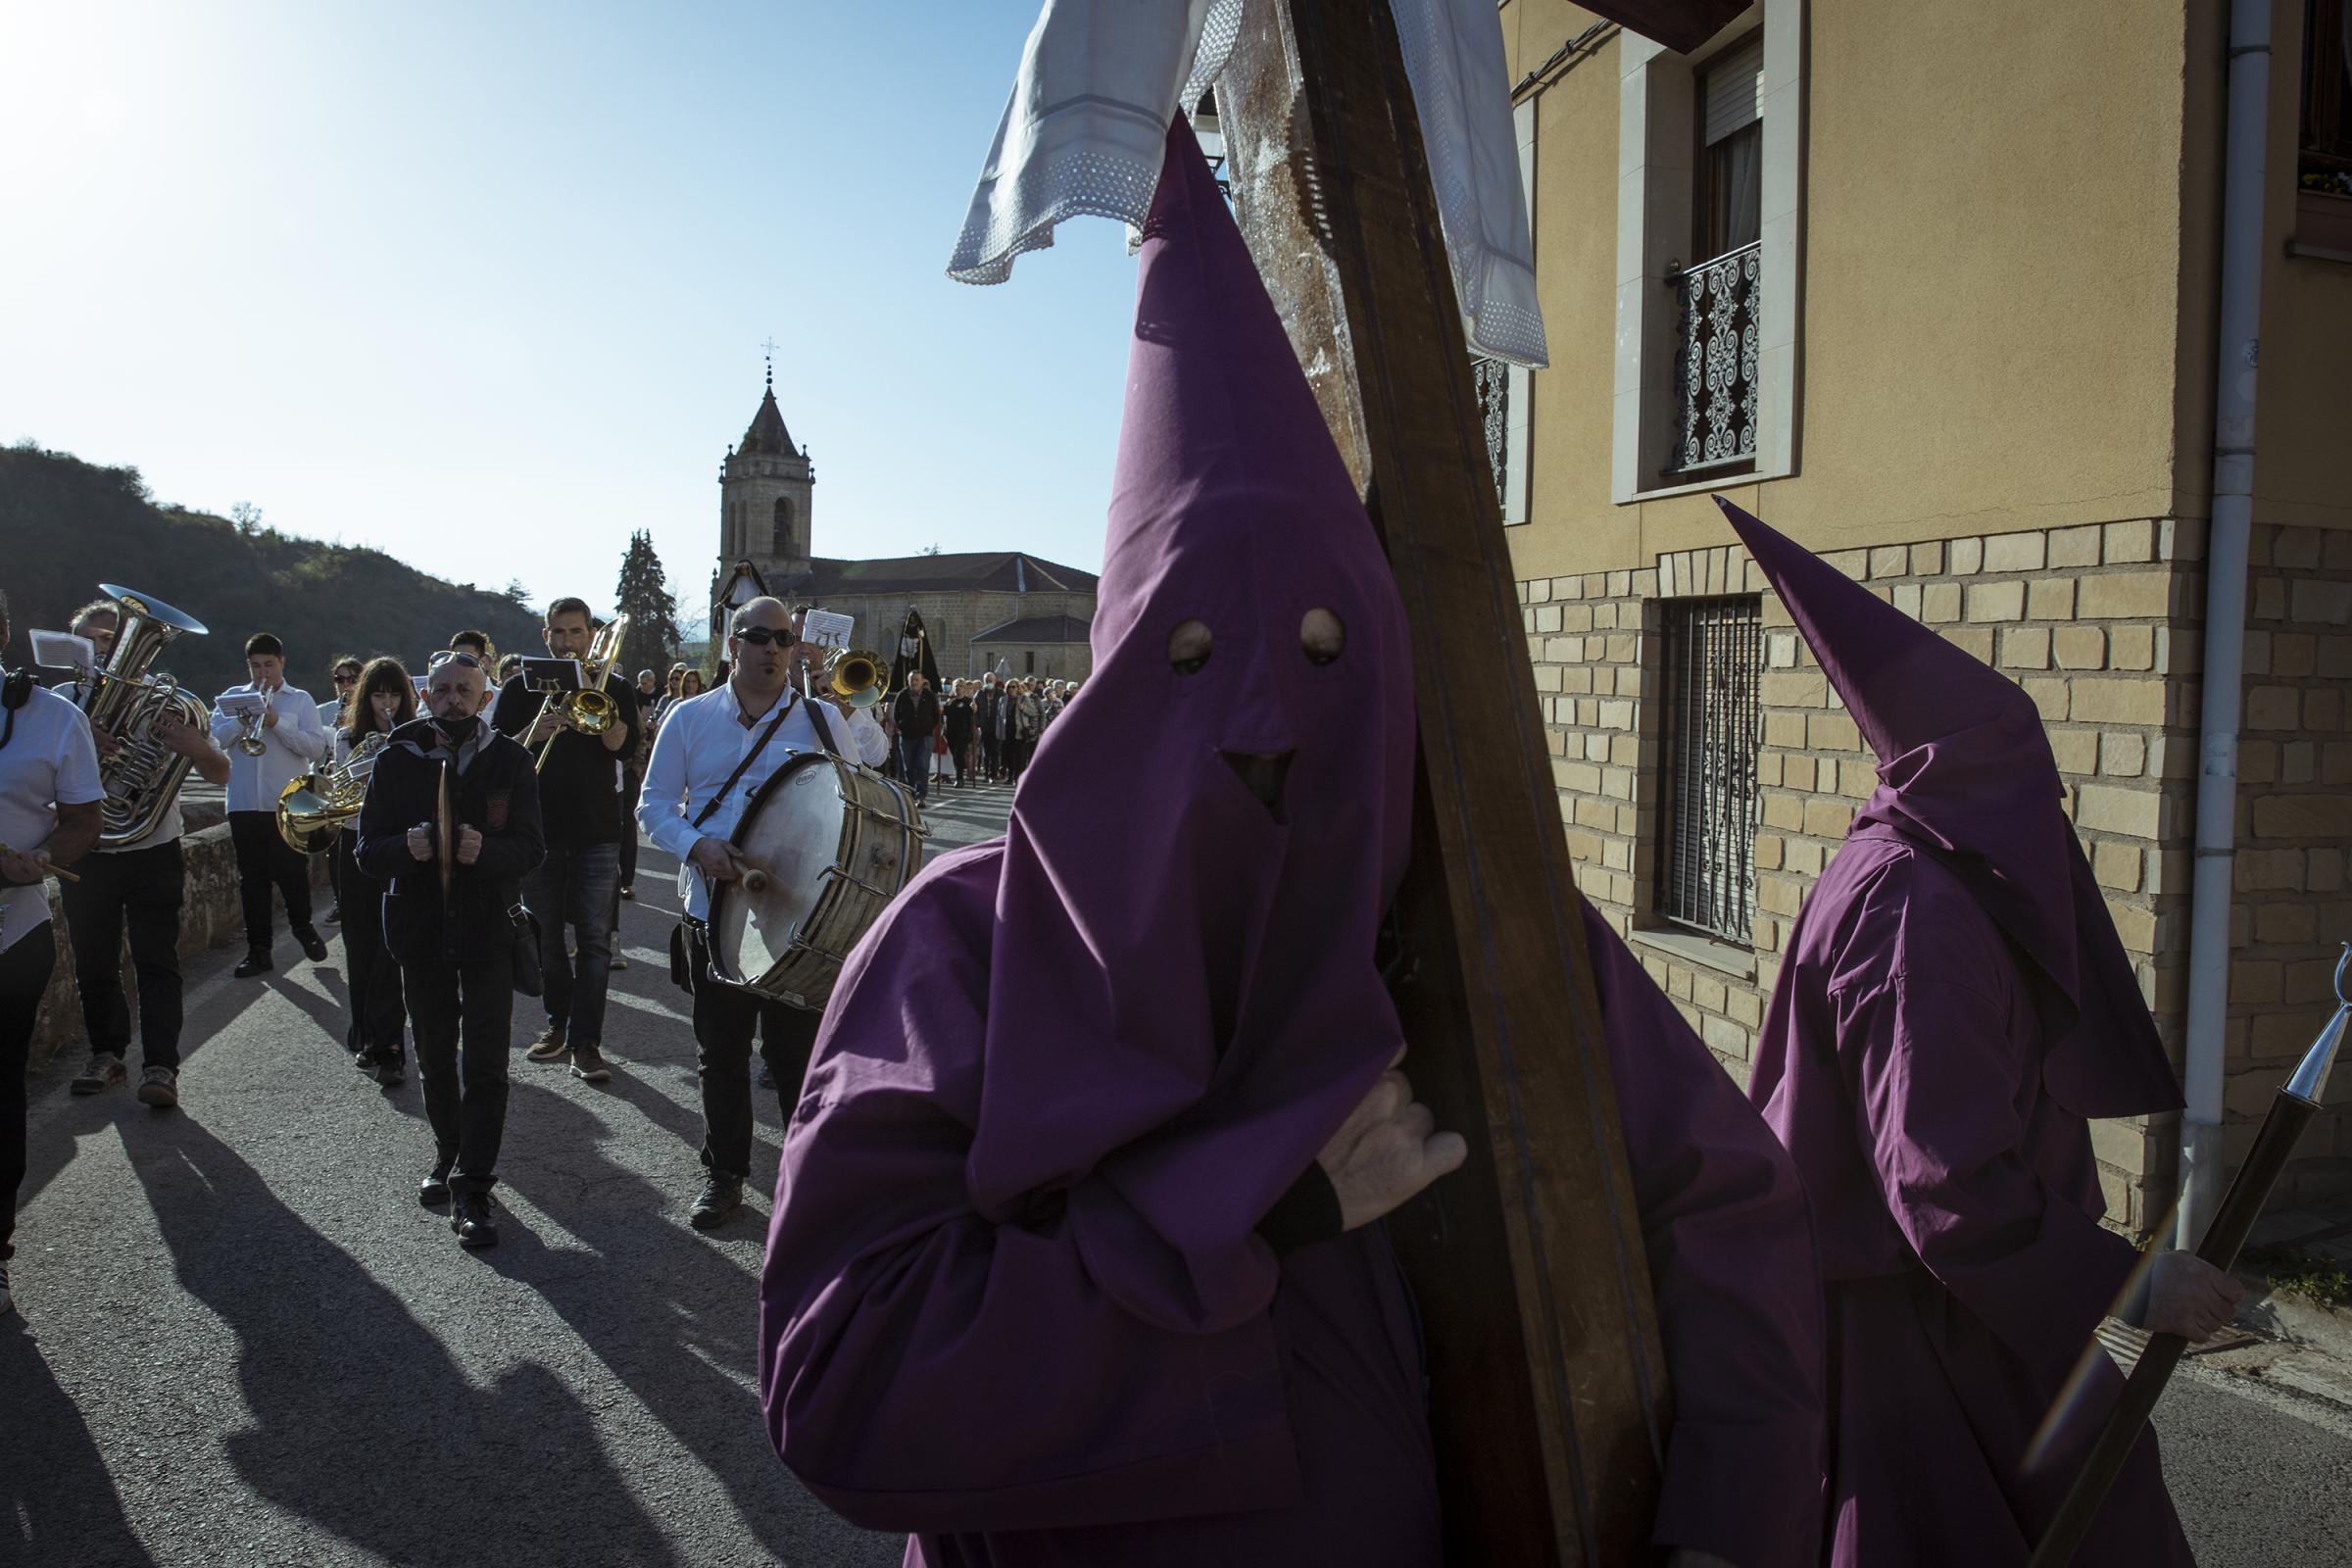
[1965, 767]
[1134, 1022]
[1952, 1002]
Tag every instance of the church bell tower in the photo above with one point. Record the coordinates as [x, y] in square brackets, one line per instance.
[765, 488]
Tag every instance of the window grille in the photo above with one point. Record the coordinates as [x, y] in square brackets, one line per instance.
[1714, 658]
[1493, 379]
[780, 545]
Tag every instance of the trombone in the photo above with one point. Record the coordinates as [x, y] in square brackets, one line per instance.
[590, 711]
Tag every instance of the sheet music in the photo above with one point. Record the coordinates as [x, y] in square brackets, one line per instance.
[63, 649]
[826, 628]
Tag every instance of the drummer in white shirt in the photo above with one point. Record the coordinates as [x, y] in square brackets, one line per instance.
[758, 713]
[291, 739]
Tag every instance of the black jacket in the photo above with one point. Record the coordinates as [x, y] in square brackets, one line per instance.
[498, 796]
[918, 713]
[957, 719]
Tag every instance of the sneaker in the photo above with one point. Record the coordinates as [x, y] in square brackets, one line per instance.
[472, 1222]
[104, 1072]
[257, 960]
[588, 1065]
[159, 1087]
[618, 963]
[314, 948]
[549, 1047]
[721, 1196]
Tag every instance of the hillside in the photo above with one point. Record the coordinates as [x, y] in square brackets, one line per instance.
[67, 525]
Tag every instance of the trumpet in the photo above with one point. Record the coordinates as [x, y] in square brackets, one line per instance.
[590, 711]
[250, 741]
[856, 677]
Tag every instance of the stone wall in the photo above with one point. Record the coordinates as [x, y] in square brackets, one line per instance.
[952, 620]
[2100, 626]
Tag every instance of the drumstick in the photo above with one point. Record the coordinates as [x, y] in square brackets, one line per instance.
[57, 871]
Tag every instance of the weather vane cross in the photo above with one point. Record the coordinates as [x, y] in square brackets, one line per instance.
[767, 348]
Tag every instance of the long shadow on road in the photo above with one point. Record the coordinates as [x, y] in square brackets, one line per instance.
[669, 1315]
[57, 1505]
[365, 1424]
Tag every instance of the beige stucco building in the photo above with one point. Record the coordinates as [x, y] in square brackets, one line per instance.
[979, 608]
[1956, 272]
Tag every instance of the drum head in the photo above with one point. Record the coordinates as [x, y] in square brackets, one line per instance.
[791, 829]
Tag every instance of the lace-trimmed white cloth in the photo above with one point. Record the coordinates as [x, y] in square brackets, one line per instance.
[1084, 134]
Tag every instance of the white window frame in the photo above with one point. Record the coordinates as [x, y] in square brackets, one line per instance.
[1658, 132]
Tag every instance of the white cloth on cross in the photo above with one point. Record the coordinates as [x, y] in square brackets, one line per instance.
[1083, 133]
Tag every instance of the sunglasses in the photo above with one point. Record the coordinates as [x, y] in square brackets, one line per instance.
[453, 656]
[762, 636]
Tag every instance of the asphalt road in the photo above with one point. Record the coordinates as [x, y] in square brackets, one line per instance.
[243, 1342]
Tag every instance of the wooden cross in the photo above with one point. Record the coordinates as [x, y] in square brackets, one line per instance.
[1549, 1399]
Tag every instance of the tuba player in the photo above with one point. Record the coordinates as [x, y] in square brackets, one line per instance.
[140, 886]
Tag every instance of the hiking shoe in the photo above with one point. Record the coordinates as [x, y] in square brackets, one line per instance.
[549, 1047]
[472, 1222]
[588, 1065]
[721, 1196]
[314, 947]
[159, 1087]
[255, 961]
[104, 1072]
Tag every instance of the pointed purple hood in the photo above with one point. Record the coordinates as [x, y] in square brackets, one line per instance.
[1183, 996]
[1965, 769]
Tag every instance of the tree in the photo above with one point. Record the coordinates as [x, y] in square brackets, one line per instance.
[247, 516]
[643, 595]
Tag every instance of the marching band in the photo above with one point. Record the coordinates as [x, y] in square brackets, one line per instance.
[475, 818]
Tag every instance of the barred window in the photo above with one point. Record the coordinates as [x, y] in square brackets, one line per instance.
[1714, 658]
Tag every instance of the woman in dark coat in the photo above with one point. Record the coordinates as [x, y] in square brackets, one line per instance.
[383, 699]
[957, 721]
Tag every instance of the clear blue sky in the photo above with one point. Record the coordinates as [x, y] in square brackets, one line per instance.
[483, 284]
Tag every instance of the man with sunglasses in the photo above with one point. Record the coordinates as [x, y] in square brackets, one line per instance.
[454, 938]
[713, 754]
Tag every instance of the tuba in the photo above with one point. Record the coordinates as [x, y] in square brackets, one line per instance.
[143, 776]
[590, 711]
[320, 805]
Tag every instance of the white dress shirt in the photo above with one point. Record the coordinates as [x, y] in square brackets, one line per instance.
[288, 748]
[49, 760]
[700, 741]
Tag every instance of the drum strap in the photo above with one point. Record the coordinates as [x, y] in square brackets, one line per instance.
[748, 757]
[824, 727]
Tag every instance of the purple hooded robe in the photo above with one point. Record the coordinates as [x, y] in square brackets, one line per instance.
[1953, 1005]
[1016, 1299]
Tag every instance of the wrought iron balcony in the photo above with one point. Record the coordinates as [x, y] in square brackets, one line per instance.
[1493, 379]
[1715, 367]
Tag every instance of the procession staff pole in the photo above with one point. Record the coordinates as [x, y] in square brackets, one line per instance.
[2296, 1103]
[1548, 1399]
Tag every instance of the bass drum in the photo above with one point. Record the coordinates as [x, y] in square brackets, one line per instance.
[830, 844]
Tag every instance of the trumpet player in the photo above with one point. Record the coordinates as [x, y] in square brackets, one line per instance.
[579, 884]
[273, 736]
[139, 885]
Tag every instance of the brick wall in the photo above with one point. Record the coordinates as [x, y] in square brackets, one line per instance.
[2099, 625]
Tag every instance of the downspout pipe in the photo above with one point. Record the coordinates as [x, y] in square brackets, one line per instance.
[2212, 890]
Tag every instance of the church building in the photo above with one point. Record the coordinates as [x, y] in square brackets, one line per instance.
[982, 610]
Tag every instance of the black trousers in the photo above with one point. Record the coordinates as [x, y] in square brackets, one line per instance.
[264, 861]
[24, 976]
[724, 1021]
[141, 889]
[380, 1012]
[989, 760]
[462, 1016]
